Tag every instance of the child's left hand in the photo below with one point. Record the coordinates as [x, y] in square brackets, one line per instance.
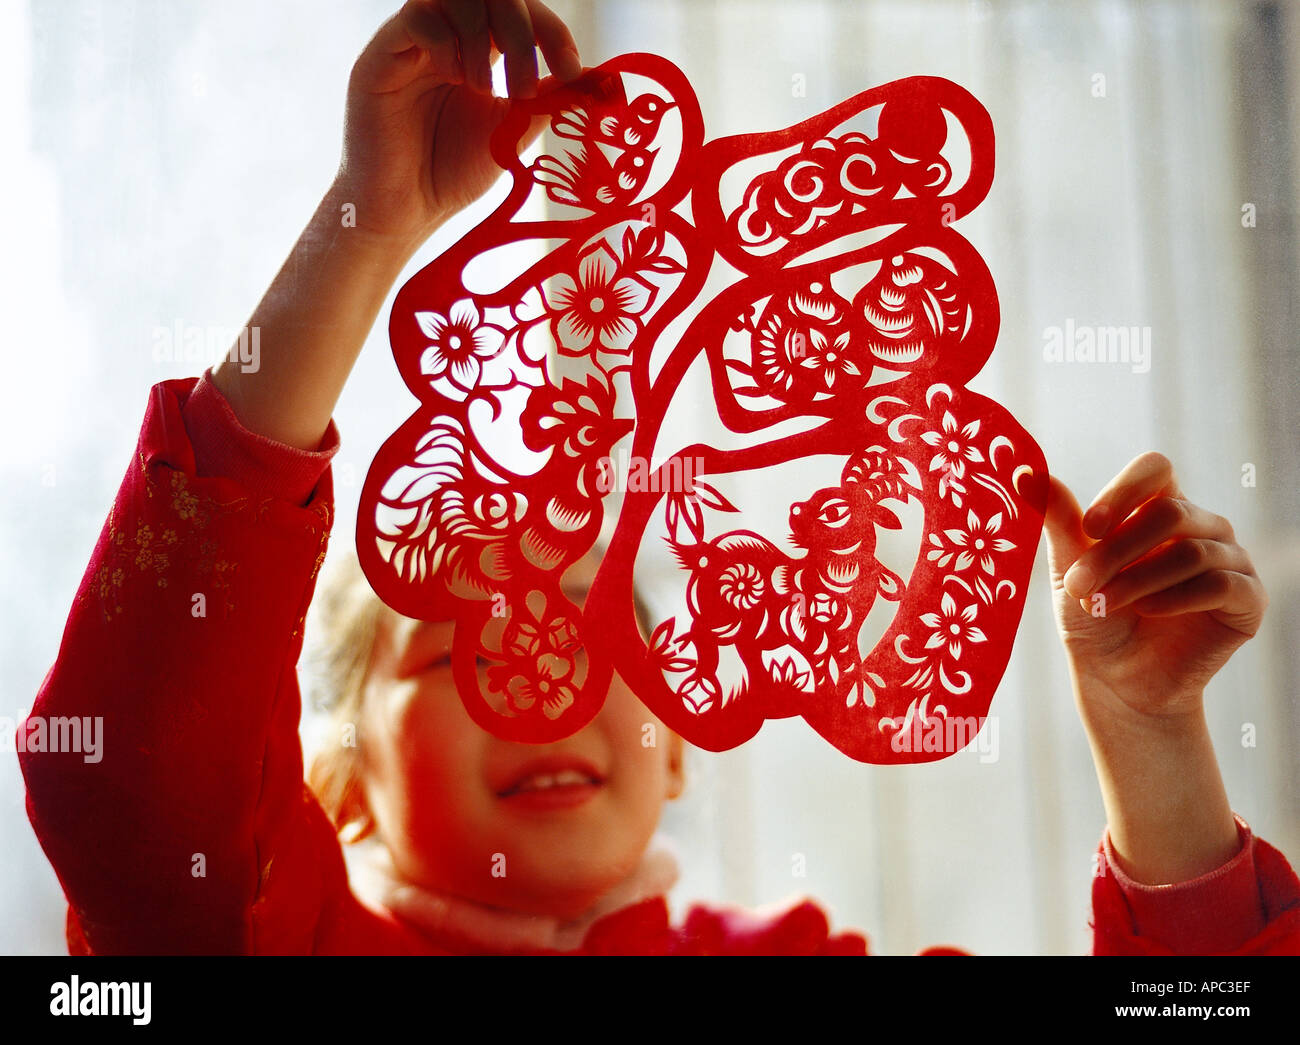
[1153, 593]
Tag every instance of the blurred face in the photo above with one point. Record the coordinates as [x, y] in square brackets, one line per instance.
[542, 829]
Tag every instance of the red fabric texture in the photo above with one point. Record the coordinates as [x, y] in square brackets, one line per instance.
[222, 446]
[196, 833]
[1250, 905]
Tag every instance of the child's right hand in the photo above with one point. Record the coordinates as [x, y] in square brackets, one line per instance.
[420, 108]
[420, 113]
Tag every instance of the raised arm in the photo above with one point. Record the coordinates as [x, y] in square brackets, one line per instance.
[1153, 594]
[420, 112]
[193, 830]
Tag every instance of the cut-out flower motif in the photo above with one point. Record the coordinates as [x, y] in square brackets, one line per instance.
[802, 346]
[975, 544]
[828, 359]
[953, 451]
[552, 686]
[460, 342]
[953, 447]
[952, 626]
[599, 308]
[539, 665]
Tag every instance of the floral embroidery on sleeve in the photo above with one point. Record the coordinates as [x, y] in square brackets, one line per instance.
[149, 551]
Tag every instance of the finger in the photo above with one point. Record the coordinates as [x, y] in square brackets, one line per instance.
[469, 19]
[1156, 521]
[401, 44]
[1236, 599]
[430, 30]
[1066, 540]
[1170, 566]
[556, 42]
[393, 36]
[512, 29]
[549, 83]
[1144, 477]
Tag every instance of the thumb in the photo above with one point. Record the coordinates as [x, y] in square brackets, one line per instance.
[1063, 526]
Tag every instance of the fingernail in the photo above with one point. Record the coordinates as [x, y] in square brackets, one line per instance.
[1079, 580]
[1095, 520]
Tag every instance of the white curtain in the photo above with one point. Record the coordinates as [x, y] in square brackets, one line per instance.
[162, 157]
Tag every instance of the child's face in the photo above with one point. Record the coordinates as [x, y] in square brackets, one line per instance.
[466, 813]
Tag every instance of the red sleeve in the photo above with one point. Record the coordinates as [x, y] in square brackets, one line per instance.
[192, 830]
[264, 467]
[1250, 905]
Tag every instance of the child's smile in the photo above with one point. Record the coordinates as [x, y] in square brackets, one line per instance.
[550, 784]
[541, 829]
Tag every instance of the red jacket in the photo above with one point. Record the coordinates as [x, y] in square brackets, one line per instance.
[196, 832]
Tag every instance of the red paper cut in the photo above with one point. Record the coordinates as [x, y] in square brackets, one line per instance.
[857, 316]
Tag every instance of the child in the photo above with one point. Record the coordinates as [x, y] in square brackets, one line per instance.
[196, 831]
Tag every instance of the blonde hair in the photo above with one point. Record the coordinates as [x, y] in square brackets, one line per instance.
[344, 625]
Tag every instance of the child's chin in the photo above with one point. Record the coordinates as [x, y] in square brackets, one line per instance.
[567, 883]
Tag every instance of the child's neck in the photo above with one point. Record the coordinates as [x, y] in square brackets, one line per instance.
[375, 882]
